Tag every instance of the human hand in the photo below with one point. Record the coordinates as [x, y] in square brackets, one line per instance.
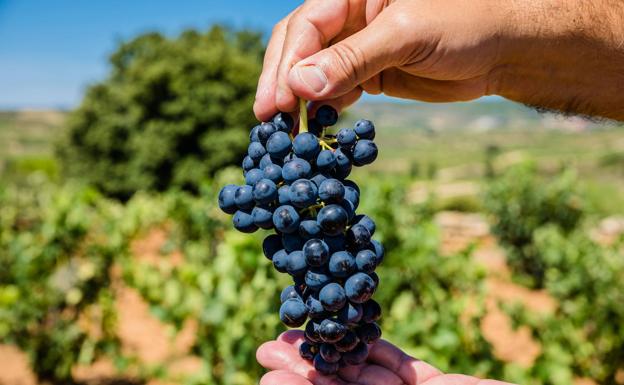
[558, 55]
[386, 365]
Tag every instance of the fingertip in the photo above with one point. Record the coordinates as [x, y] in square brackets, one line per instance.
[292, 337]
[281, 377]
[263, 351]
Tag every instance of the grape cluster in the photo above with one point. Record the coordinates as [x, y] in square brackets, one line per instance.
[297, 186]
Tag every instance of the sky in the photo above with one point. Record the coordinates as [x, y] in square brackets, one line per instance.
[51, 50]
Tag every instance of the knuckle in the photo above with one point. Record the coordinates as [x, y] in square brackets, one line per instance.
[349, 62]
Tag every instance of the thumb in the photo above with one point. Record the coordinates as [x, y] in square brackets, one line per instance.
[340, 68]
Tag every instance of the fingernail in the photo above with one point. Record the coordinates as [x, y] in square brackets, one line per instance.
[313, 77]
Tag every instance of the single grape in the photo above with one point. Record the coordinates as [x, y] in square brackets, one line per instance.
[243, 197]
[253, 134]
[289, 292]
[346, 138]
[331, 331]
[326, 115]
[351, 183]
[311, 332]
[226, 199]
[316, 279]
[329, 353]
[280, 259]
[343, 165]
[316, 252]
[273, 172]
[307, 351]
[284, 122]
[303, 193]
[332, 191]
[365, 152]
[265, 131]
[358, 237]
[326, 160]
[371, 311]
[347, 343]
[279, 145]
[333, 219]
[342, 264]
[256, 151]
[366, 261]
[283, 195]
[296, 264]
[349, 209]
[296, 169]
[350, 314]
[359, 288]
[368, 333]
[262, 217]
[253, 176]
[286, 219]
[293, 313]
[248, 164]
[352, 196]
[324, 367]
[265, 192]
[306, 146]
[375, 279]
[365, 221]
[309, 229]
[244, 222]
[265, 161]
[378, 248]
[333, 297]
[365, 129]
[315, 307]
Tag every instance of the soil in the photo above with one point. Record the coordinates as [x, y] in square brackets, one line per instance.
[153, 342]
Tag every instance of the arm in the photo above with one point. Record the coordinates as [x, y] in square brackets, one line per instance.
[567, 56]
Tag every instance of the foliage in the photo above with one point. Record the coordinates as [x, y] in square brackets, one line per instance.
[170, 113]
[56, 253]
[521, 202]
[584, 337]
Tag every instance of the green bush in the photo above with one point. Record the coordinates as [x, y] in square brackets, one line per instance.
[584, 337]
[170, 113]
[521, 202]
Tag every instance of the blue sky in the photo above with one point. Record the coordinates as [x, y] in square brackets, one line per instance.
[50, 50]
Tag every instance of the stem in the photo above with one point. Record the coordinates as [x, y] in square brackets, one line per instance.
[303, 115]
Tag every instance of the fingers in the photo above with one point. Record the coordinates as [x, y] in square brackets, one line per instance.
[397, 83]
[282, 377]
[369, 375]
[340, 68]
[309, 30]
[264, 106]
[409, 369]
[459, 379]
[281, 355]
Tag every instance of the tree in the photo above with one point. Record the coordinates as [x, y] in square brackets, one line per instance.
[171, 112]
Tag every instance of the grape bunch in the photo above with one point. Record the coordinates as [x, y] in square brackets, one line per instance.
[298, 187]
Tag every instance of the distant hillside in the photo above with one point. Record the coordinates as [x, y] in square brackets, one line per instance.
[29, 133]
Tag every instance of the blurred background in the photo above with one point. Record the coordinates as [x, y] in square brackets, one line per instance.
[119, 122]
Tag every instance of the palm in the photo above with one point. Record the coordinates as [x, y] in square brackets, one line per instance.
[386, 365]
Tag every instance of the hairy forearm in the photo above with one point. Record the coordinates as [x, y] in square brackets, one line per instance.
[563, 55]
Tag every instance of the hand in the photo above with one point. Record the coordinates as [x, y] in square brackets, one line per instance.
[387, 365]
[559, 55]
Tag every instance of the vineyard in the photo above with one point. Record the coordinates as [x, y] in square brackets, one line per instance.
[503, 241]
